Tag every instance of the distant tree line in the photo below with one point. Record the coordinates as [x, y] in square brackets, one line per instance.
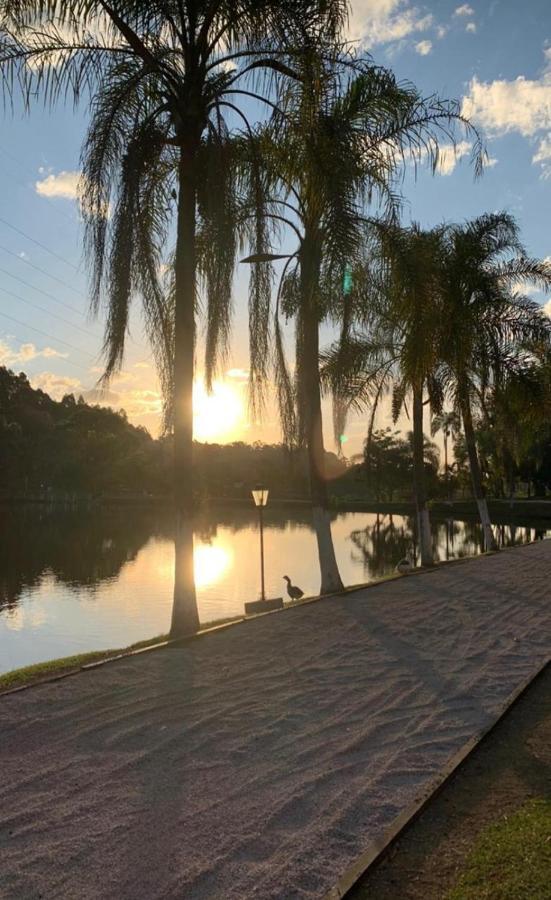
[52, 448]
[71, 449]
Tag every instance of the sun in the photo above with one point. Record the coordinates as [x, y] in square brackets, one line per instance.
[217, 416]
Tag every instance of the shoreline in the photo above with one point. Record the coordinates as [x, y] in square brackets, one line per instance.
[501, 511]
[21, 679]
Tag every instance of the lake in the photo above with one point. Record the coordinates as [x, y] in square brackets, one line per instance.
[75, 580]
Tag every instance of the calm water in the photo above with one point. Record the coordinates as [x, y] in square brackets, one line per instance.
[87, 580]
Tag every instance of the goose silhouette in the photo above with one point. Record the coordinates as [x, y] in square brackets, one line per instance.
[294, 592]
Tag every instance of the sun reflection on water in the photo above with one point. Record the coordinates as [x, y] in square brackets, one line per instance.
[210, 562]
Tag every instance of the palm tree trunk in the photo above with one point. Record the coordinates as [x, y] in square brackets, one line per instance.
[185, 618]
[476, 475]
[329, 570]
[423, 520]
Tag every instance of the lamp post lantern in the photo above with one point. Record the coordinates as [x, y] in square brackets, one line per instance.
[260, 497]
[253, 607]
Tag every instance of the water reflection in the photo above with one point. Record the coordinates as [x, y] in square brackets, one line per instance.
[78, 548]
[210, 562]
[89, 579]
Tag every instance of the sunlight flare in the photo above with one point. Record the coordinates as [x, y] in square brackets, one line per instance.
[218, 416]
[210, 561]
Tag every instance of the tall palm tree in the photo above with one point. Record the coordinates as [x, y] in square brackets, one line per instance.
[518, 404]
[448, 423]
[488, 325]
[163, 76]
[397, 311]
[342, 134]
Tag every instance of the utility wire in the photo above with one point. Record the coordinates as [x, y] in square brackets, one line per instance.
[40, 291]
[49, 336]
[46, 311]
[38, 244]
[43, 271]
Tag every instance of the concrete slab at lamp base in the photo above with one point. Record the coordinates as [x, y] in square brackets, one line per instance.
[260, 606]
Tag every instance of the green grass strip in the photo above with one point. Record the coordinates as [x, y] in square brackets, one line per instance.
[53, 667]
[511, 859]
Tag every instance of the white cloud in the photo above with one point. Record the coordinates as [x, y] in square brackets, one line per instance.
[96, 31]
[471, 27]
[441, 31]
[65, 185]
[542, 156]
[55, 385]
[122, 378]
[449, 156]
[142, 402]
[423, 48]
[102, 397]
[137, 402]
[381, 21]
[10, 356]
[522, 105]
[228, 65]
[464, 10]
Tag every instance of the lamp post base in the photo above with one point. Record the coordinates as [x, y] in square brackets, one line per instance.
[261, 606]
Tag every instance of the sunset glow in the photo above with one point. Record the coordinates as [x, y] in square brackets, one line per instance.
[210, 562]
[218, 416]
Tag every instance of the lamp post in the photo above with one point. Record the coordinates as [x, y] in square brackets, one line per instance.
[446, 467]
[260, 497]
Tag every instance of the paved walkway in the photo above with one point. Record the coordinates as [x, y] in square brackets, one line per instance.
[260, 761]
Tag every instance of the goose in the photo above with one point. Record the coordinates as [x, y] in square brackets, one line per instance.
[404, 566]
[294, 592]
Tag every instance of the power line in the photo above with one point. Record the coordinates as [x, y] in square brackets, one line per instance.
[38, 244]
[40, 291]
[47, 311]
[43, 271]
[50, 337]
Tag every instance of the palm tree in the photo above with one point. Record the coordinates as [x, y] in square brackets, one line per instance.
[512, 411]
[340, 138]
[396, 308]
[488, 326]
[163, 77]
[448, 423]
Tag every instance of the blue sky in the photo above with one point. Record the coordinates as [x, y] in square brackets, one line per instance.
[494, 56]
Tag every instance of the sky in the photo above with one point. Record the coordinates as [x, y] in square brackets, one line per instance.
[492, 56]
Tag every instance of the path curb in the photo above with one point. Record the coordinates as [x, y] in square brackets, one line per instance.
[175, 642]
[378, 848]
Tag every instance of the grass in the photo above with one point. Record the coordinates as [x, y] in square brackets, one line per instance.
[511, 859]
[51, 668]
